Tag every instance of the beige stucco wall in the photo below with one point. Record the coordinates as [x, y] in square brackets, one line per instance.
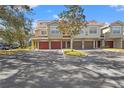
[39, 27]
[37, 33]
[86, 33]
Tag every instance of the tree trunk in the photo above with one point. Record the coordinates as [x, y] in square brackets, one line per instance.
[71, 45]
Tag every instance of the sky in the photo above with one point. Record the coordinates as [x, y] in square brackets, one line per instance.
[100, 13]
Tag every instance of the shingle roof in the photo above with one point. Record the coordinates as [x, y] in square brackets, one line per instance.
[95, 23]
[117, 23]
[54, 21]
[88, 23]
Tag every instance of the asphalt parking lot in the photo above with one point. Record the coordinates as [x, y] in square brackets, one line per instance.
[52, 69]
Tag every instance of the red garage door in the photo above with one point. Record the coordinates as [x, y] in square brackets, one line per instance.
[109, 44]
[123, 45]
[43, 45]
[56, 45]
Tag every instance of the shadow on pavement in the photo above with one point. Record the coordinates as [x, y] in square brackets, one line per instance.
[50, 70]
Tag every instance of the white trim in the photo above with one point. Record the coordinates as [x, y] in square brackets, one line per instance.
[116, 33]
[49, 44]
[94, 43]
[43, 40]
[92, 33]
[82, 44]
[61, 44]
[77, 40]
[66, 44]
[55, 40]
[38, 44]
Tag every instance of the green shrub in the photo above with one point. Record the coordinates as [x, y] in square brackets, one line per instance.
[74, 52]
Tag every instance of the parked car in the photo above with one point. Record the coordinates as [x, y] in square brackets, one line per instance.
[4, 47]
[7, 47]
[1, 46]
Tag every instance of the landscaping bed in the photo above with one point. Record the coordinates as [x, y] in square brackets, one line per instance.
[13, 51]
[115, 49]
[73, 52]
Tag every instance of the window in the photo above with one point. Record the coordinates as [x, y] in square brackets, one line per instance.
[116, 30]
[54, 31]
[43, 32]
[92, 30]
[82, 32]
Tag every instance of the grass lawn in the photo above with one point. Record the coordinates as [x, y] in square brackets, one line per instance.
[13, 51]
[114, 49]
[73, 52]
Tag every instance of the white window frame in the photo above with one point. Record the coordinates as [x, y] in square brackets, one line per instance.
[55, 31]
[116, 30]
[43, 33]
[90, 31]
[82, 32]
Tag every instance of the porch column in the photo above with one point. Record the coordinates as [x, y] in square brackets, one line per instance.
[96, 44]
[103, 43]
[61, 44]
[93, 43]
[38, 44]
[35, 44]
[82, 44]
[121, 43]
[32, 44]
[49, 44]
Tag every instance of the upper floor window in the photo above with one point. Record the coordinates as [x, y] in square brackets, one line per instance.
[55, 32]
[82, 32]
[116, 29]
[92, 30]
[43, 32]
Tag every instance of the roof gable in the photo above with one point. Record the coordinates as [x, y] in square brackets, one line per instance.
[95, 23]
[117, 23]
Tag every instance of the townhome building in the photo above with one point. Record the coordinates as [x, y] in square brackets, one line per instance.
[47, 36]
[114, 35]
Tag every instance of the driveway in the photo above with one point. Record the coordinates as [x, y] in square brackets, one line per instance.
[52, 69]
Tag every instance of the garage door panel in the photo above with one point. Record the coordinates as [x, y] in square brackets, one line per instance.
[88, 44]
[43, 45]
[109, 44]
[77, 44]
[56, 45]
